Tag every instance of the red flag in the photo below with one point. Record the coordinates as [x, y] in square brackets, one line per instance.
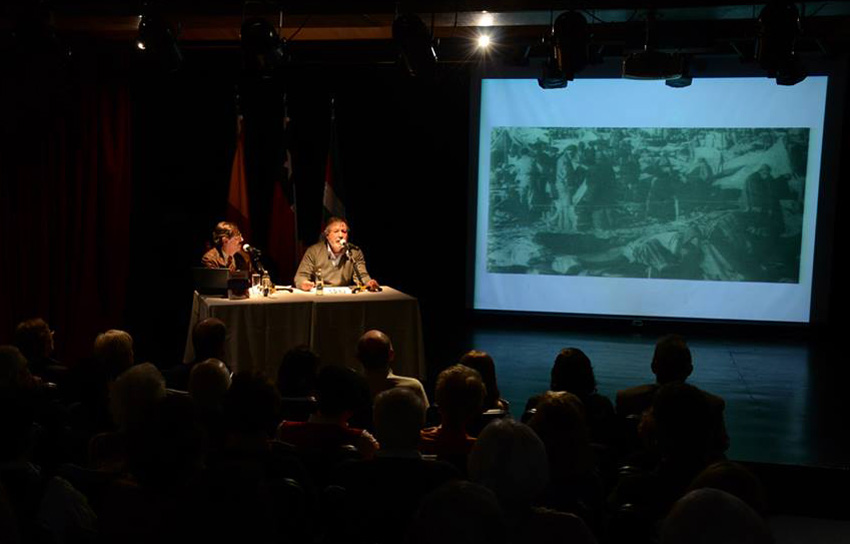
[283, 231]
[237, 196]
[333, 199]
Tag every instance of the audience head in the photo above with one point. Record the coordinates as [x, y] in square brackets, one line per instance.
[560, 423]
[459, 512]
[510, 459]
[375, 351]
[711, 516]
[134, 394]
[208, 384]
[483, 363]
[735, 480]
[296, 375]
[341, 391]
[252, 404]
[573, 372]
[686, 423]
[399, 415]
[34, 338]
[113, 352]
[460, 394]
[208, 339]
[672, 361]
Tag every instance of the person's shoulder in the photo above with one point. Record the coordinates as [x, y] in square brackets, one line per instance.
[210, 258]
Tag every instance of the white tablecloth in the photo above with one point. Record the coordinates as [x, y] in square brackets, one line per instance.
[260, 330]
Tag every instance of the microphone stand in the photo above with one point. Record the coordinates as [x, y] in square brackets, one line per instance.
[358, 278]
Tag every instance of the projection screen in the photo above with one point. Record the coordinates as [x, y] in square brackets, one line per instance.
[627, 198]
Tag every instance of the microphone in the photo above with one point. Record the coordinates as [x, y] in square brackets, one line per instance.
[248, 248]
[345, 244]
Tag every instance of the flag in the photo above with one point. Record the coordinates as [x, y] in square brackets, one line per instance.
[333, 198]
[283, 231]
[237, 196]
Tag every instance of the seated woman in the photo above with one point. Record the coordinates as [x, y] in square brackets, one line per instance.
[495, 407]
[572, 372]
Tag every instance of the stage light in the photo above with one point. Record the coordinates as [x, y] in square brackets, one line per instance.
[416, 47]
[569, 42]
[651, 63]
[158, 43]
[263, 51]
[483, 41]
[486, 19]
[779, 25]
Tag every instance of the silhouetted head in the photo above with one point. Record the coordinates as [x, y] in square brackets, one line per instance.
[460, 394]
[484, 364]
[35, 339]
[672, 361]
[296, 375]
[375, 351]
[399, 415]
[573, 372]
[208, 339]
[208, 384]
[510, 459]
[341, 391]
[113, 352]
[711, 516]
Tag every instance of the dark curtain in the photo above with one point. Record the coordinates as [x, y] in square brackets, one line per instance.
[65, 199]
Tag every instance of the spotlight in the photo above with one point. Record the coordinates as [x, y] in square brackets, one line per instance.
[486, 19]
[158, 43]
[569, 42]
[416, 48]
[263, 51]
[483, 41]
[779, 24]
[651, 63]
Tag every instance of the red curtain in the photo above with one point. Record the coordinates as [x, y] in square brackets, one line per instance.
[65, 191]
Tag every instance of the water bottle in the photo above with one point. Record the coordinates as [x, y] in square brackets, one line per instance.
[320, 283]
[266, 283]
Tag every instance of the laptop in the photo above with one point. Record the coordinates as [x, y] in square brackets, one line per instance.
[211, 281]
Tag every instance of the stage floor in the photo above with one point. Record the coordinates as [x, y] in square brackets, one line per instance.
[786, 400]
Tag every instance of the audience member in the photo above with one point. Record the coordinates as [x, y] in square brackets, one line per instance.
[671, 363]
[734, 479]
[509, 459]
[711, 516]
[460, 396]
[340, 391]
[35, 340]
[573, 372]
[134, 394]
[375, 352]
[383, 494]
[686, 431]
[296, 382]
[113, 352]
[208, 384]
[459, 512]
[208, 339]
[483, 363]
[575, 485]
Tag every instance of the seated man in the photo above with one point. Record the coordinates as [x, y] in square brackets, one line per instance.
[227, 249]
[327, 430]
[671, 363]
[35, 340]
[460, 396]
[382, 494]
[375, 352]
[333, 259]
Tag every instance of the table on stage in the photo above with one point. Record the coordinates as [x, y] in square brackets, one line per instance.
[261, 329]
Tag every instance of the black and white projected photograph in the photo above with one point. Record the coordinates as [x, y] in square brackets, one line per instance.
[714, 204]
